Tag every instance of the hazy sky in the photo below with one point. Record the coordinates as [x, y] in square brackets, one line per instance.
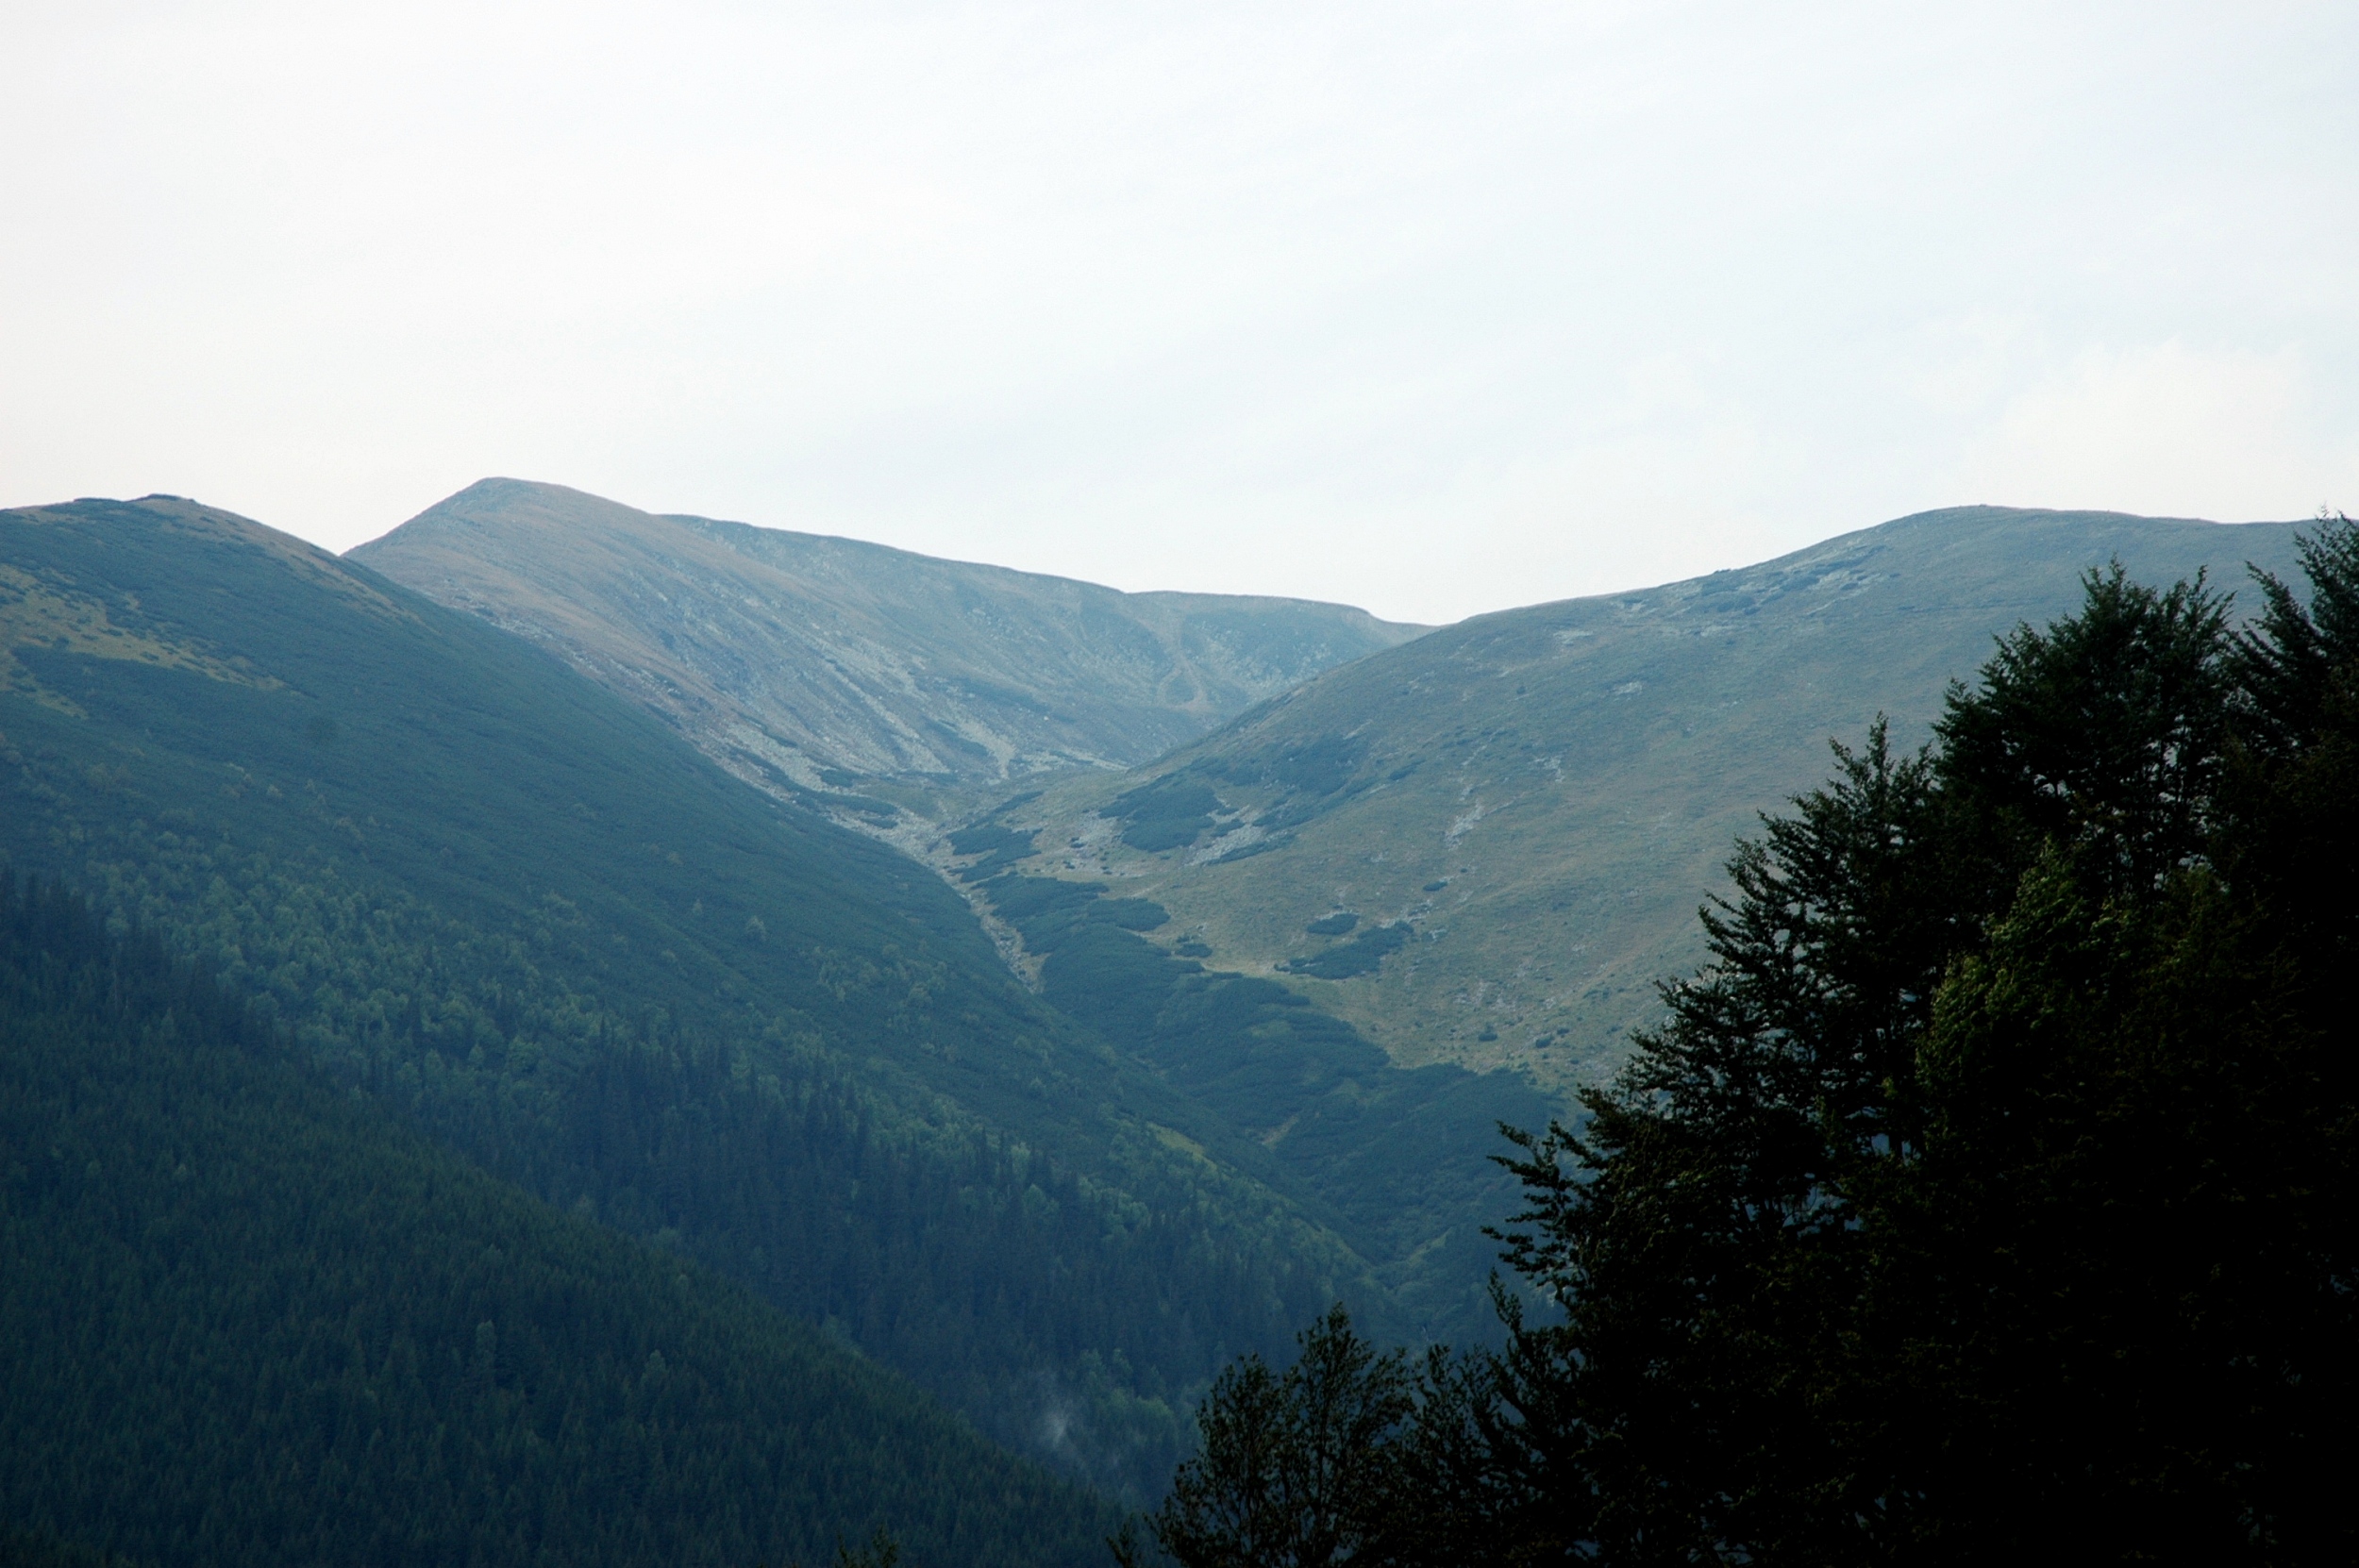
[1430, 307]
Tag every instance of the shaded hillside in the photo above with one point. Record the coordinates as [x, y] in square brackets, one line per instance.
[518, 909]
[833, 666]
[1487, 845]
[245, 1319]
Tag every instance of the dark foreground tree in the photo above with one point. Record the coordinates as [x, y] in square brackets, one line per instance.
[1297, 1468]
[1992, 1193]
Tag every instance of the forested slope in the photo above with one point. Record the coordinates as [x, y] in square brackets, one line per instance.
[21, 1548]
[489, 894]
[245, 1319]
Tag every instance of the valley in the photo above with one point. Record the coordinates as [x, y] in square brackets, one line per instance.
[529, 918]
[1025, 996]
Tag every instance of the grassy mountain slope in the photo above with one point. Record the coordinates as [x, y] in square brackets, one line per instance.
[488, 892]
[246, 1318]
[835, 667]
[1485, 846]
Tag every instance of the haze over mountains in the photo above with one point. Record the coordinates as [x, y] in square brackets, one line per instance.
[1480, 848]
[783, 656]
[828, 666]
[1301, 906]
[1569, 775]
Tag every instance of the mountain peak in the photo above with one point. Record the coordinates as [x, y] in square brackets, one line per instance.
[813, 664]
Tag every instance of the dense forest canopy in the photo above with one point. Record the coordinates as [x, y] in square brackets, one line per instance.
[1988, 1196]
[246, 1317]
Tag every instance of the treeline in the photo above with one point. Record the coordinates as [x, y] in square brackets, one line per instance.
[1066, 1317]
[1988, 1197]
[1393, 1159]
[246, 1318]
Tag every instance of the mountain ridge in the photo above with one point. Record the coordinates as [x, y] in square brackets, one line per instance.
[1524, 809]
[532, 916]
[867, 678]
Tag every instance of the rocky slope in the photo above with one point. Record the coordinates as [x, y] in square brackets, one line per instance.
[870, 677]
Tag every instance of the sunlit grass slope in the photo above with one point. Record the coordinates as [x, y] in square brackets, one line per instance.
[1520, 813]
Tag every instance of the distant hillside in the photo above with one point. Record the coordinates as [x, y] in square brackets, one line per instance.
[840, 668]
[246, 1318]
[1487, 845]
[518, 909]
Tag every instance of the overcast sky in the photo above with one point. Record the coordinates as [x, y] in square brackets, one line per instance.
[1434, 309]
